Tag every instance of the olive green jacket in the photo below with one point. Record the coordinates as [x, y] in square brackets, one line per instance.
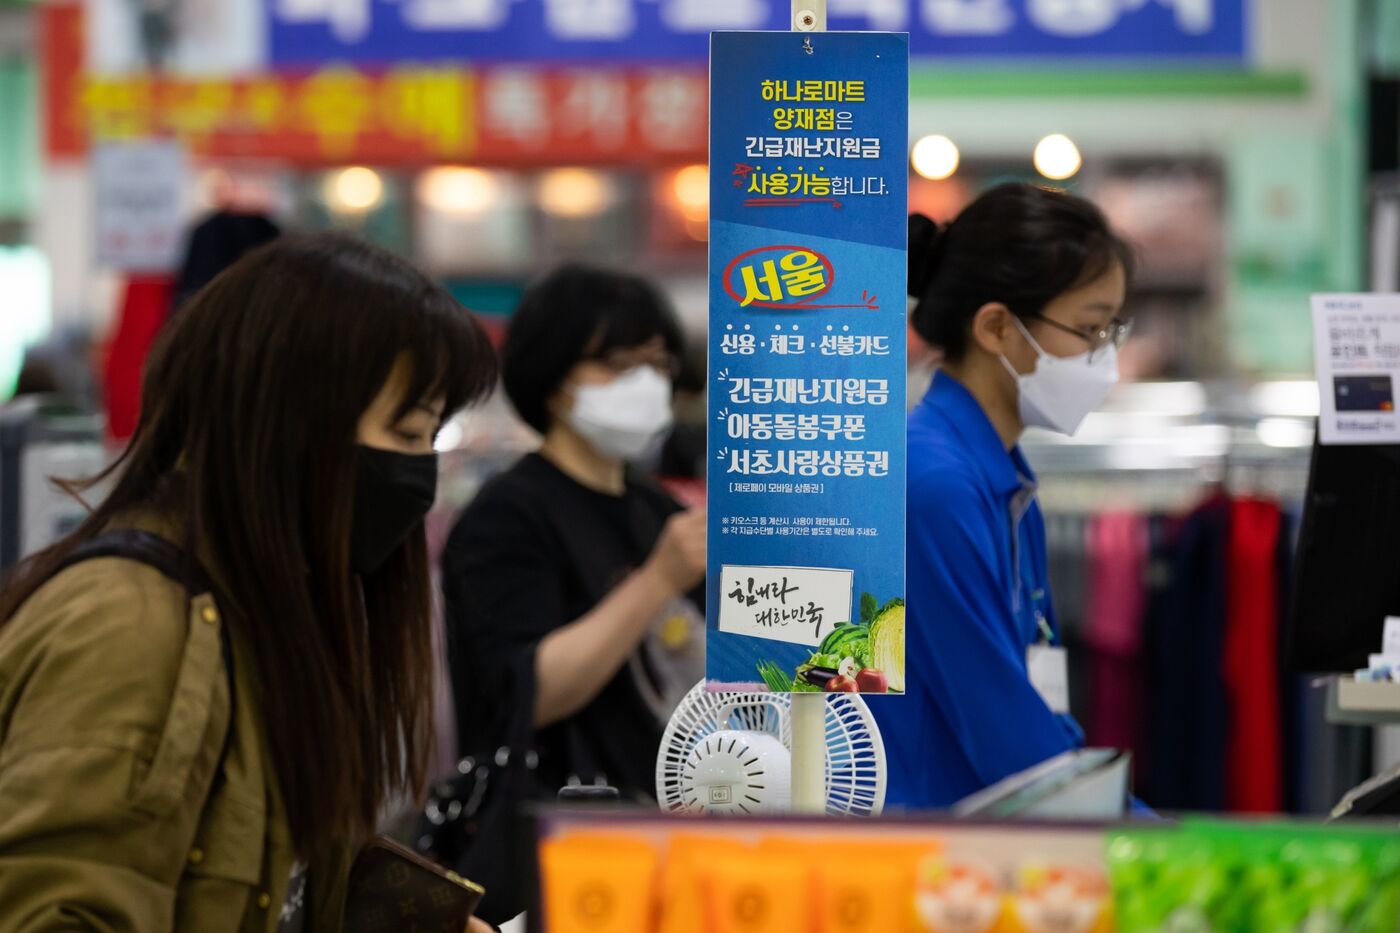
[114, 704]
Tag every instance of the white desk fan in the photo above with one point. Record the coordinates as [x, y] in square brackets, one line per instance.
[731, 753]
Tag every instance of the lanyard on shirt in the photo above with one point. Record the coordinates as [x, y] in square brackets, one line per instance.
[1019, 506]
[1047, 634]
[1046, 663]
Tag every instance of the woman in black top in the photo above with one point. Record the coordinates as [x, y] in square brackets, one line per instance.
[569, 579]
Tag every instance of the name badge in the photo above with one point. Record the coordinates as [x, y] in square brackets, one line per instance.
[1048, 667]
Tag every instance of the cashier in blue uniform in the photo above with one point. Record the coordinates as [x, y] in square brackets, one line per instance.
[1023, 293]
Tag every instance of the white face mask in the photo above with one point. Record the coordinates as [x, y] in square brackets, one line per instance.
[624, 418]
[1062, 390]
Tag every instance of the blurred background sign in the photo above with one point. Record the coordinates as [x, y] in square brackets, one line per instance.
[140, 214]
[308, 32]
[409, 114]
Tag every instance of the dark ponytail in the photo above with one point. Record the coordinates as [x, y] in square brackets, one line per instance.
[1018, 244]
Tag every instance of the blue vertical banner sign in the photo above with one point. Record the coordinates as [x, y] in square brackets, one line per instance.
[808, 207]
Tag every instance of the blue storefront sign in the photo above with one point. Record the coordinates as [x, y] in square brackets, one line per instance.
[808, 201]
[370, 32]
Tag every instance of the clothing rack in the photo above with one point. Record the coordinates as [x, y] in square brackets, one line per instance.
[1164, 462]
[1156, 475]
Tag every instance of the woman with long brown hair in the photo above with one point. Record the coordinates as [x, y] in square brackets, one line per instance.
[206, 747]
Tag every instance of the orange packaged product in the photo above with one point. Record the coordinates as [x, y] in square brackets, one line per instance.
[867, 889]
[862, 882]
[853, 846]
[679, 892]
[757, 892]
[598, 883]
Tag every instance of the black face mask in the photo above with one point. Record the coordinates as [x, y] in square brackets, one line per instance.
[393, 492]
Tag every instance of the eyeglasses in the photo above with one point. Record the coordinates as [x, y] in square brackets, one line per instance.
[624, 361]
[1115, 334]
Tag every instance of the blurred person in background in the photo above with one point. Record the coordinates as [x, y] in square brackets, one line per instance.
[683, 457]
[1022, 294]
[36, 377]
[211, 689]
[62, 364]
[148, 301]
[217, 242]
[572, 583]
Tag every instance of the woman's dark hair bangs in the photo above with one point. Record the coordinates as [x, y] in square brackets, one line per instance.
[449, 355]
[622, 326]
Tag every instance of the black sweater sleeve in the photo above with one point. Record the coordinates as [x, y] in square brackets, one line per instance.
[503, 594]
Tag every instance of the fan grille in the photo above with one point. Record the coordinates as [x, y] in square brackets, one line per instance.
[855, 769]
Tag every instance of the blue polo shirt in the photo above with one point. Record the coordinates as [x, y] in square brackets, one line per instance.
[976, 592]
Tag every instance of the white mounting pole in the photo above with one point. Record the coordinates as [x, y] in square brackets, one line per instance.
[809, 753]
[809, 709]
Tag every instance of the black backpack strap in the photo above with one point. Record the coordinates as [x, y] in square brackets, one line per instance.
[177, 564]
[144, 547]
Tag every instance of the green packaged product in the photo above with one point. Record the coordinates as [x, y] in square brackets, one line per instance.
[1255, 878]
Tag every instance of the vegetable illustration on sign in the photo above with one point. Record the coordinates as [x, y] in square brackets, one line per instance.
[855, 657]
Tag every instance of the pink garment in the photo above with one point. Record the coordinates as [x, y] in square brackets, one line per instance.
[1118, 548]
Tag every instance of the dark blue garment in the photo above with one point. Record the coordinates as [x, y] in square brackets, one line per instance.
[1163, 533]
[1184, 642]
[978, 593]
